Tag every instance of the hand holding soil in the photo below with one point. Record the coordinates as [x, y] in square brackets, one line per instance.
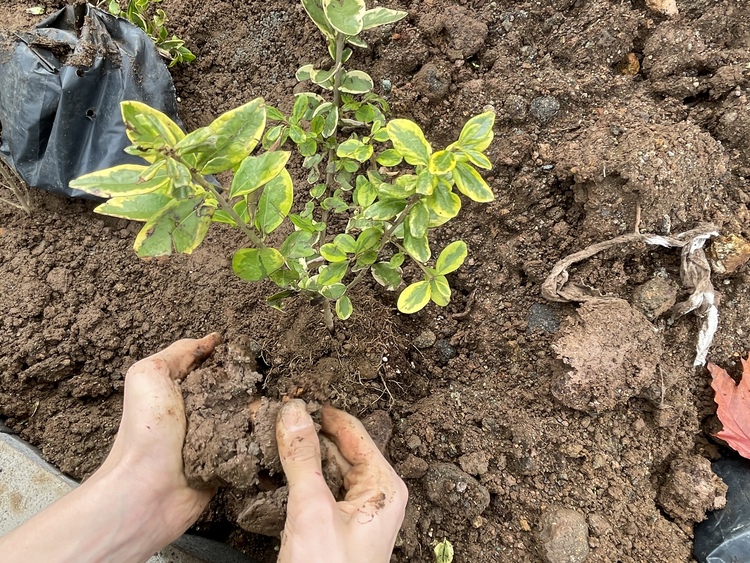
[362, 527]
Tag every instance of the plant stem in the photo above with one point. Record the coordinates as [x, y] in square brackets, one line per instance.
[17, 187]
[330, 169]
[386, 239]
[328, 316]
[223, 203]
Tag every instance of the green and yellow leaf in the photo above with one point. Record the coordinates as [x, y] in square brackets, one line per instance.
[255, 264]
[440, 291]
[119, 181]
[414, 297]
[344, 308]
[275, 203]
[257, 171]
[409, 140]
[345, 16]
[451, 258]
[148, 127]
[381, 16]
[477, 133]
[181, 224]
[471, 184]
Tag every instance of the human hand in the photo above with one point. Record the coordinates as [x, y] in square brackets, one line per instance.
[139, 500]
[147, 451]
[362, 527]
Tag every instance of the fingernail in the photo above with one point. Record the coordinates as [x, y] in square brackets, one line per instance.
[294, 416]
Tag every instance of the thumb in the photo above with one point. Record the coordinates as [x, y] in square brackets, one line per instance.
[299, 450]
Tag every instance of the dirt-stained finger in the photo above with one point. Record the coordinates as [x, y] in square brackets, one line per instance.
[351, 438]
[185, 355]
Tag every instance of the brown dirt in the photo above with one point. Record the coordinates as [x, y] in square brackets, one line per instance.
[480, 414]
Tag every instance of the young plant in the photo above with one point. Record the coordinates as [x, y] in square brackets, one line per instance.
[444, 552]
[383, 178]
[172, 49]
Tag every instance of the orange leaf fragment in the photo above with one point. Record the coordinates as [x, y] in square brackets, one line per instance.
[734, 407]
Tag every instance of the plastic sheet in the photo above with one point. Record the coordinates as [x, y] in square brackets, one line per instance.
[60, 90]
[724, 537]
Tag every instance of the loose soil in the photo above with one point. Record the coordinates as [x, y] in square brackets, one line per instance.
[501, 424]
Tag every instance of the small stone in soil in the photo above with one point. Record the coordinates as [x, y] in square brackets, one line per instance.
[655, 297]
[447, 352]
[432, 82]
[544, 108]
[412, 467]
[564, 536]
[542, 317]
[425, 339]
[456, 491]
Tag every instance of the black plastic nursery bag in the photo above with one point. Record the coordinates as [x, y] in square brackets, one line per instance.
[724, 537]
[60, 91]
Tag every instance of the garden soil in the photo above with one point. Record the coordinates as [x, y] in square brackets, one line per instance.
[526, 430]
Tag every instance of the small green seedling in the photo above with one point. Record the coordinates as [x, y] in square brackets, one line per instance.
[382, 179]
[171, 48]
[444, 552]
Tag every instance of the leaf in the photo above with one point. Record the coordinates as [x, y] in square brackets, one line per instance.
[344, 308]
[354, 148]
[417, 219]
[148, 127]
[734, 407]
[409, 140]
[440, 291]
[476, 158]
[332, 121]
[345, 242]
[477, 133]
[417, 247]
[426, 183]
[442, 162]
[386, 276]
[444, 552]
[389, 158]
[365, 193]
[471, 184]
[443, 202]
[333, 291]
[345, 16]
[35, 10]
[275, 203]
[385, 209]
[118, 181]
[332, 273]
[255, 264]
[136, 208]
[356, 82]
[332, 253]
[181, 224]
[381, 16]
[451, 258]
[297, 245]
[314, 9]
[227, 140]
[256, 171]
[414, 297]
[368, 239]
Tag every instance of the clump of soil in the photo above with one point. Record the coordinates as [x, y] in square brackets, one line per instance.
[613, 352]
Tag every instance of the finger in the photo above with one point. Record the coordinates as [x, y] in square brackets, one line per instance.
[353, 441]
[185, 355]
[299, 450]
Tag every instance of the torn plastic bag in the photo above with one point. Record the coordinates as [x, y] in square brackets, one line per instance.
[60, 91]
[724, 537]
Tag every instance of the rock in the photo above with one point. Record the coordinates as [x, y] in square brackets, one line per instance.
[432, 82]
[447, 352]
[412, 467]
[386, 85]
[691, 488]
[665, 7]
[544, 108]
[456, 491]
[466, 33]
[425, 339]
[475, 463]
[516, 107]
[564, 536]
[655, 297]
[727, 254]
[542, 317]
